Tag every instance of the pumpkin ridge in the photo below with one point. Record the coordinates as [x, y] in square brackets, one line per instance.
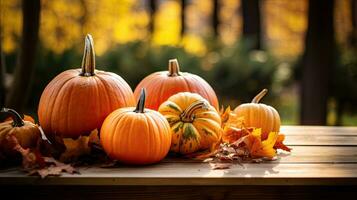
[58, 106]
[52, 99]
[68, 105]
[125, 119]
[116, 120]
[161, 119]
[106, 91]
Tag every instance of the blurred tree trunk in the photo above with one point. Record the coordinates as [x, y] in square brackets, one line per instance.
[318, 61]
[183, 18]
[215, 18]
[24, 70]
[153, 8]
[251, 22]
[353, 34]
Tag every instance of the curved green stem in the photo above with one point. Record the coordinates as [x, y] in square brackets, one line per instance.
[88, 61]
[141, 102]
[259, 96]
[16, 117]
[174, 67]
[187, 115]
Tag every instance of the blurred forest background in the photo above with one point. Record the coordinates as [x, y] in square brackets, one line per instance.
[303, 51]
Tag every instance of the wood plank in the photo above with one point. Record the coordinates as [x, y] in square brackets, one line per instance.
[199, 174]
[321, 140]
[179, 192]
[303, 154]
[318, 130]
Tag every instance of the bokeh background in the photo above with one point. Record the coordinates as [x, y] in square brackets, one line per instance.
[303, 51]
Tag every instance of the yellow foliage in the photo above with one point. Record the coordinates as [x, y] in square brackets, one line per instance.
[167, 24]
[259, 148]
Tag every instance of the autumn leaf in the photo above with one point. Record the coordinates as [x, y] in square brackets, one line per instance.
[224, 113]
[55, 168]
[78, 147]
[232, 134]
[34, 163]
[220, 165]
[280, 145]
[258, 148]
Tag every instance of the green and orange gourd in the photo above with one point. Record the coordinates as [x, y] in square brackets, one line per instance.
[195, 124]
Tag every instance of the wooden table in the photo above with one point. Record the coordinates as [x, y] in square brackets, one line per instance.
[323, 164]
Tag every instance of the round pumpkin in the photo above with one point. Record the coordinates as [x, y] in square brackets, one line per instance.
[161, 85]
[136, 135]
[26, 132]
[195, 124]
[259, 115]
[77, 101]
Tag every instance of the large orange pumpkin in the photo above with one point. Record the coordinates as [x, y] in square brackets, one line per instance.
[161, 85]
[259, 115]
[77, 101]
[136, 136]
[195, 124]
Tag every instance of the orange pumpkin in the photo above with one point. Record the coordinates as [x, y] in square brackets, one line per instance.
[77, 101]
[136, 136]
[26, 132]
[161, 85]
[259, 115]
[25, 118]
[195, 124]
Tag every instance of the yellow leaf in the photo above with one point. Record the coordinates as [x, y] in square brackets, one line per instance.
[78, 147]
[259, 148]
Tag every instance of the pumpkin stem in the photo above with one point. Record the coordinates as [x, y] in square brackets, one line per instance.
[187, 115]
[259, 96]
[141, 102]
[174, 67]
[88, 61]
[16, 117]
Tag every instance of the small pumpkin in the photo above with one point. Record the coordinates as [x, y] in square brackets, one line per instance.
[25, 118]
[259, 115]
[136, 135]
[26, 132]
[77, 101]
[195, 124]
[161, 85]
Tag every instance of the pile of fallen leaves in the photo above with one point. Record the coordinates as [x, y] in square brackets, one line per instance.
[240, 143]
[51, 157]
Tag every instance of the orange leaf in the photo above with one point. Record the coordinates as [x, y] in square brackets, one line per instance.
[78, 147]
[232, 134]
[225, 114]
[280, 145]
[259, 148]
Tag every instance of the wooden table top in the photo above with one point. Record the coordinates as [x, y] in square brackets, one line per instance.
[320, 156]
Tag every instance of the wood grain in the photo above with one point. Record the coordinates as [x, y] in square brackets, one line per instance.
[321, 140]
[199, 173]
[318, 130]
[179, 192]
[320, 156]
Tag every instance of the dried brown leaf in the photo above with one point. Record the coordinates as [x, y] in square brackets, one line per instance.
[220, 165]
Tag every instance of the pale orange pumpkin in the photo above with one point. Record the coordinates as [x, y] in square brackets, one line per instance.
[26, 133]
[77, 101]
[161, 85]
[195, 124]
[259, 115]
[136, 135]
